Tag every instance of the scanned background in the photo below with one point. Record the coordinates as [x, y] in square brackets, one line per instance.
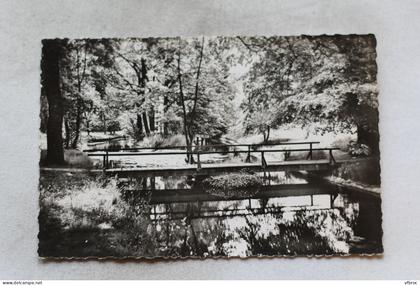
[24, 23]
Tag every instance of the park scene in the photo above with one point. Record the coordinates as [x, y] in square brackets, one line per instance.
[209, 147]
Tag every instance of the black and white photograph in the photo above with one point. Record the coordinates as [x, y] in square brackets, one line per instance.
[209, 147]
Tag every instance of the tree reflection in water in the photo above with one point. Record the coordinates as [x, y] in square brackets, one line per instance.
[290, 233]
[305, 225]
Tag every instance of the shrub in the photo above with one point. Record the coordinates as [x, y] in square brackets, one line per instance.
[73, 159]
[151, 141]
[113, 126]
[365, 171]
[159, 141]
[359, 150]
[233, 185]
[86, 215]
[91, 205]
[76, 158]
[342, 143]
[174, 140]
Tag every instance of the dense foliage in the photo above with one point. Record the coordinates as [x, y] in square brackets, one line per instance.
[113, 85]
[233, 185]
[326, 80]
[84, 215]
[204, 86]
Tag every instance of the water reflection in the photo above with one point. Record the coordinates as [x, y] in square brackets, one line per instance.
[288, 217]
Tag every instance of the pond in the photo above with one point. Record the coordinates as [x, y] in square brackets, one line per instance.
[289, 216]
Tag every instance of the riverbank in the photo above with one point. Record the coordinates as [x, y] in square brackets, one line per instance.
[83, 214]
[73, 158]
[358, 174]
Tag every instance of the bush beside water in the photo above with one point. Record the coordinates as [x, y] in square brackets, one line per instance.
[73, 159]
[359, 150]
[366, 171]
[159, 141]
[85, 215]
[233, 185]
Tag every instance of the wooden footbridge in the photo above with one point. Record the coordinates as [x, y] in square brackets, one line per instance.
[168, 196]
[260, 164]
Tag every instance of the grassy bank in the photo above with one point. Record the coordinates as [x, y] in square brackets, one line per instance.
[84, 215]
[87, 215]
[362, 170]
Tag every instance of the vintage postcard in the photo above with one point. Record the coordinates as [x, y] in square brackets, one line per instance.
[209, 147]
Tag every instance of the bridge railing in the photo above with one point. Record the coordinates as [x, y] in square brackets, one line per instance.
[198, 146]
[262, 154]
[106, 154]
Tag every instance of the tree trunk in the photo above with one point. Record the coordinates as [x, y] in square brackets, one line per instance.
[369, 138]
[67, 132]
[197, 247]
[266, 134]
[78, 123]
[165, 129]
[44, 113]
[145, 123]
[190, 158]
[152, 119]
[103, 122]
[184, 111]
[51, 52]
[144, 77]
[88, 126]
[139, 125]
[165, 108]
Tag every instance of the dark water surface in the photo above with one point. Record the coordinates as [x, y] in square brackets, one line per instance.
[289, 216]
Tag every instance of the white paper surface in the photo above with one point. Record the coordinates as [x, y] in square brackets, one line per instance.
[397, 28]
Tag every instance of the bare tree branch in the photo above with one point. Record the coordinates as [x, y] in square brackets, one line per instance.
[198, 78]
[245, 44]
[181, 93]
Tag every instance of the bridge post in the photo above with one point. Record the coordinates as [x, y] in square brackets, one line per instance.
[263, 161]
[248, 157]
[198, 161]
[152, 183]
[310, 152]
[103, 162]
[332, 160]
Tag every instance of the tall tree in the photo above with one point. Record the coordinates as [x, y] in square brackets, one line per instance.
[81, 83]
[327, 80]
[52, 51]
[189, 117]
[205, 94]
[135, 59]
[183, 75]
